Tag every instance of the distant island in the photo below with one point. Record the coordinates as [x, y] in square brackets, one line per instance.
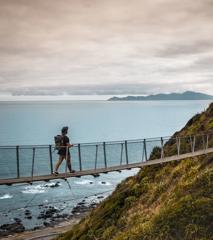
[188, 95]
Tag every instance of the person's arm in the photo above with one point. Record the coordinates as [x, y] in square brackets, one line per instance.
[68, 144]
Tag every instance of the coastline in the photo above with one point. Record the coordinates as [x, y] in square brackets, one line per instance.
[47, 233]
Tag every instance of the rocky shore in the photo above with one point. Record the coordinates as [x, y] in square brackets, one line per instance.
[50, 216]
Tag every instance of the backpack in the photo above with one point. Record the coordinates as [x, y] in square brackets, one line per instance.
[58, 142]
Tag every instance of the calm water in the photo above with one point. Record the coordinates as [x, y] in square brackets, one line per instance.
[38, 122]
[94, 121]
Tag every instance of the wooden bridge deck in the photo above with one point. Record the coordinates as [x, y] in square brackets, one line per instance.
[96, 172]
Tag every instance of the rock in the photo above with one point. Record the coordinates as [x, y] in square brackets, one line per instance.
[7, 229]
[103, 182]
[36, 228]
[48, 213]
[46, 224]
[99, 197]
[18, 220]
[27, 212]
[80, 209]
[81, 203]
[93, 205]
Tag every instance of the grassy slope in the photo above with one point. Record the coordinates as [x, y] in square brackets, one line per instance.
[169, 201]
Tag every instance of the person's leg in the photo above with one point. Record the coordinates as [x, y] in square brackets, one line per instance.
[69, 162]
[61, 158]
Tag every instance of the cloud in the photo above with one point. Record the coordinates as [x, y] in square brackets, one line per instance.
[98, 46]
[187, 49]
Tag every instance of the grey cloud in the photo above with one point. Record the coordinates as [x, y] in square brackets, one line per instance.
[109, 89]
[187, 48]
[205, 62]
[143, 45]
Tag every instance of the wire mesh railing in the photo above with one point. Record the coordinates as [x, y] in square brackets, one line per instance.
[30, 161]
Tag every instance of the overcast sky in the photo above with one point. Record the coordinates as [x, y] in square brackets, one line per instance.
[106, 46]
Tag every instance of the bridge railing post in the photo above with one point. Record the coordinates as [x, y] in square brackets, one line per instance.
[203, 139]
[162, 150]
[121, 158]
[207, 141]
[96, 156]
[66, 157]
[194, 142]
[33, 162]
[191, 144]
[105, 159]
[17, 161]
[51, 159]
[126, 151]
[178, 145]
[144, 150]
[79, 157]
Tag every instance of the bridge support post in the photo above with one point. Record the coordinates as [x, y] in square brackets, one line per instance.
[121, 159]
[144, 150]
[33, 162]
[105, 159]
[178, 145]
[67, 149]
[162, 151]
[203, 139]
[193, 145]
[207, 141]
[126, 151]
[96, 156]
[79, 157]
[51, 159]
[17, 161]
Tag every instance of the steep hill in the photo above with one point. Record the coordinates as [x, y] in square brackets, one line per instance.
[188, 95]
[162, 202]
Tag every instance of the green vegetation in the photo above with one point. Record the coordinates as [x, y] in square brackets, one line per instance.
[162, 202]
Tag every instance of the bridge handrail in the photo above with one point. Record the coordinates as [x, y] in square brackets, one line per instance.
[167, 138]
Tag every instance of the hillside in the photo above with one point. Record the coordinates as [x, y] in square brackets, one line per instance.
[172, 96]
[162, 202]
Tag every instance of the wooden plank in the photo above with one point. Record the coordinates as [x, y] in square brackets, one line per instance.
[10, 181]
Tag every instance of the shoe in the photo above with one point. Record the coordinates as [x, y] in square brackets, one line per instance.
[72, 171]
[55, 173]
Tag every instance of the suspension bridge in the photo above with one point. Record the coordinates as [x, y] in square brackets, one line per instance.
[26, 164]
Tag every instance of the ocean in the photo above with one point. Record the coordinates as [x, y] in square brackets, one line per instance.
[37, 122]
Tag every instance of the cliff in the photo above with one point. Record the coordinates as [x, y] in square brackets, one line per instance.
[165, 201]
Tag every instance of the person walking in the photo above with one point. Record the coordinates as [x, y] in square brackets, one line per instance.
[64, 152]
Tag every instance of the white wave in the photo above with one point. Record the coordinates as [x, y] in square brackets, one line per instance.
[104, 183]
[34, 189]
[84, 182]
[5, 196]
